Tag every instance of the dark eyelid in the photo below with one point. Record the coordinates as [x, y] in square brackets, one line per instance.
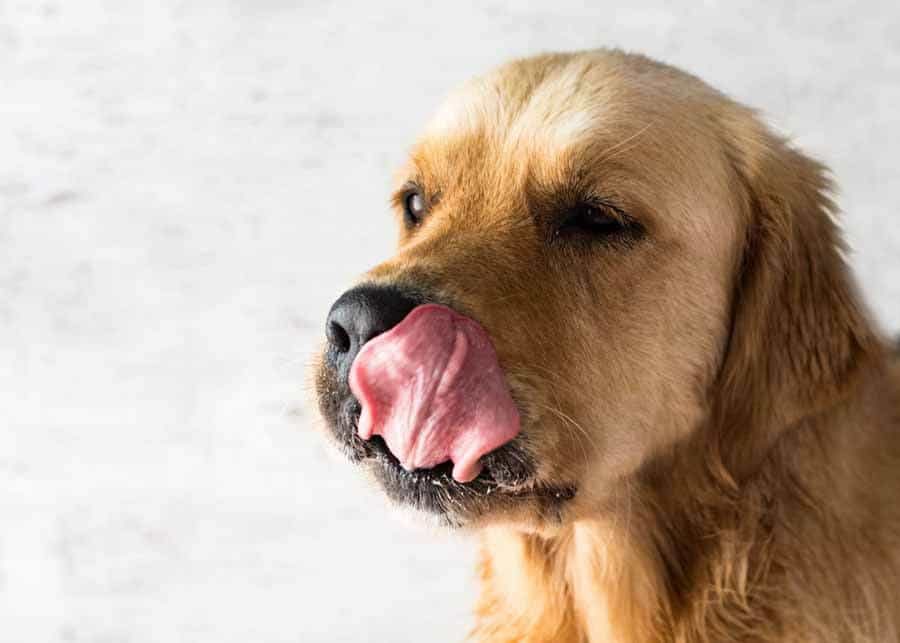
[411, 187]
[610, 207]
[605, 204]
[408, 188]
[568, 222]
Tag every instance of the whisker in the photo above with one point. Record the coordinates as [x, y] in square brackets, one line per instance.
[583, 438]
[617, 147]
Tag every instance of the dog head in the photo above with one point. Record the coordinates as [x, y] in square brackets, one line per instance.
[599, 258]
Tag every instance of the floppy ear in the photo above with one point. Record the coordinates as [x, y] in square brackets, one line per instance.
[798, 334]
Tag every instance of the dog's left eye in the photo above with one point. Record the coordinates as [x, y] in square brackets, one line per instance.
[596, 220]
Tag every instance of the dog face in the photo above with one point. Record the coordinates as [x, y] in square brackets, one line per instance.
[586, 216]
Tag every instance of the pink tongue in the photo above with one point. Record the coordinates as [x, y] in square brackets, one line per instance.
[433, 389]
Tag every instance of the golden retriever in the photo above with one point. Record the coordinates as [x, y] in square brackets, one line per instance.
[619, 341]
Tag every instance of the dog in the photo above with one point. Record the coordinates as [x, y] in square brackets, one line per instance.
[619, 342]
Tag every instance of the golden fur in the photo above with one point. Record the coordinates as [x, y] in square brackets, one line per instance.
[715, 391]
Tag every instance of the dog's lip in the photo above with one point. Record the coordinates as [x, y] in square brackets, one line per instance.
[375, 451]
[441, 476]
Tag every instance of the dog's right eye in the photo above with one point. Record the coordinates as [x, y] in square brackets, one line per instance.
[413, 207]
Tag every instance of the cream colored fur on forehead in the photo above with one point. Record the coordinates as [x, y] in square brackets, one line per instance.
[553, 110]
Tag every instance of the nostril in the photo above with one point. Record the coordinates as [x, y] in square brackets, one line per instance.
[360, 314]
[338, 337]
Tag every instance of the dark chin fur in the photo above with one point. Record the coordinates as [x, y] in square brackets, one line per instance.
[500, 488]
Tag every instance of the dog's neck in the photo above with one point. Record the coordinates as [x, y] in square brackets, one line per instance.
[689, 556]
[583, 585]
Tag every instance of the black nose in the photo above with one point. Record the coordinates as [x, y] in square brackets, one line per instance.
[360, 314]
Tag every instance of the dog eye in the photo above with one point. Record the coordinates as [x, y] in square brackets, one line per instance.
[596, 220]
[413, 207]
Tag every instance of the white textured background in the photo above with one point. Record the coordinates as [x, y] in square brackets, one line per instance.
[185, 187]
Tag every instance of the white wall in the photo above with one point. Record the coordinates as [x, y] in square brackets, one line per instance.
[185, 187]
